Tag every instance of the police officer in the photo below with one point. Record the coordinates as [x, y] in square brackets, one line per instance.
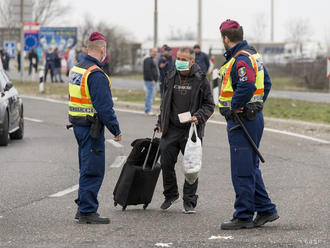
[90, 108]
[245, 87]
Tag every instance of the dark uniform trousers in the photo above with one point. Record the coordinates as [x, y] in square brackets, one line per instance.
[91, 166]
[175, 141]
[251, 194]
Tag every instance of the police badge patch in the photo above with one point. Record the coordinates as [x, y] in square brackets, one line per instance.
[242, 72]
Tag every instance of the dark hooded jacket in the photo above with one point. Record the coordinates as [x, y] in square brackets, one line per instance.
[201, 104]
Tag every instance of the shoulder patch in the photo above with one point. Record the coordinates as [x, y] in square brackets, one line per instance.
[242, 71]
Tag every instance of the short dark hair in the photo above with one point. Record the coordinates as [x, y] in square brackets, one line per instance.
[234, 35]
[187, 50]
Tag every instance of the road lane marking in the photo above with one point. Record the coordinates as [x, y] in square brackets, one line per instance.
[282, 132]
[221, 237]
[114, 143]
[66, 191]
[119, 162]
[297, 135]
[163, 244]
[210, 121]
[32, 119]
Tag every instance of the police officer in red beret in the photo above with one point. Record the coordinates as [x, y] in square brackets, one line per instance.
[90, 109]
[245, 87]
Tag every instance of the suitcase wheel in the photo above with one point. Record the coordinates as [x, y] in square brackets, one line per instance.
[115, 203]
[124, 208]
[145, 206]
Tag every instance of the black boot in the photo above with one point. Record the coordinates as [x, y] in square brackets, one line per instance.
[77, 214]
[263, 219]
[235, 224]
[93, 218]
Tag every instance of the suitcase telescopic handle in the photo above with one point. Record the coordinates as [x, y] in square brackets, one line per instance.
[148, 153]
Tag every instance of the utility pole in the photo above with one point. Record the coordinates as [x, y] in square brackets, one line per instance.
[155, 25]
[22, 40]
[199, 23]
[272, 20]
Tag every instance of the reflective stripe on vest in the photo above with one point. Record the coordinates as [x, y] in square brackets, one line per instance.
[227, 91]
[80, 103]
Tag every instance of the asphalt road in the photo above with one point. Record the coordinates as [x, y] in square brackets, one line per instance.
[121, 83]
[296, 173]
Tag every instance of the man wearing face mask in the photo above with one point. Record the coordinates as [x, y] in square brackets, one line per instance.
[186, 89]
[90, 109]
[245, 87]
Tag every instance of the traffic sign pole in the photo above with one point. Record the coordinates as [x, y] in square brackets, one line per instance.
[328, 72]
[22, 41]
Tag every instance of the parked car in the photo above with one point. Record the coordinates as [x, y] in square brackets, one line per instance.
[11, 111]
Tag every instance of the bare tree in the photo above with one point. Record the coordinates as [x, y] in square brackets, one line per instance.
[44, 11]
[6, 14]
[298, 30]
[179, 34]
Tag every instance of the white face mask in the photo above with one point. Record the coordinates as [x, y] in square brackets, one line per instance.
[103, 58]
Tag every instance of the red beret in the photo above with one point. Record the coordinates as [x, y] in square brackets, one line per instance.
[229, 24]
[97, 36]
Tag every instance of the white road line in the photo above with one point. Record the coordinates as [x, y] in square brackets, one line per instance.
[119, 162]
[114, 143]
[164, 244]
[210, 121]
[66, 191]
[297, 135]
[221, 237]
[32, 119]
[282, 132]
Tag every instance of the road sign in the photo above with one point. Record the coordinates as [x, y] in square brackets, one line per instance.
[9, 46]
[31, 41]
[31, 35]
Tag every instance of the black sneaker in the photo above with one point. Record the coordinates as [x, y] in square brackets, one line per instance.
[263, 219]
[93, 218]
[188, 208]
[236, 224]
[169, 202]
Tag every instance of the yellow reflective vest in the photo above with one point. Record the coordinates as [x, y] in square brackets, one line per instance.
[227, 91]
[80, 103]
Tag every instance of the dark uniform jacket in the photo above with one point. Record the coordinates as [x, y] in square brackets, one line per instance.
[101, 96]
[201, 104]
[244, 90]
[203, 61]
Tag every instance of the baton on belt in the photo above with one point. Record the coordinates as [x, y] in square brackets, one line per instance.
[255, 148]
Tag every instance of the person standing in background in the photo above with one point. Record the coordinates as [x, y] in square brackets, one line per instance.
[71, 59]
[201, 59]
[58, 65]
[150, 75]
[33, 60]
[82, 54]
[49, 66]
[165, 64]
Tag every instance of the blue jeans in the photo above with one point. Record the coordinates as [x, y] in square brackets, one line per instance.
[150, 95]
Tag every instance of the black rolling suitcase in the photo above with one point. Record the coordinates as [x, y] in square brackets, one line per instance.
[138, 178]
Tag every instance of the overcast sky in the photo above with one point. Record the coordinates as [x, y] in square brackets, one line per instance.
[136, 16]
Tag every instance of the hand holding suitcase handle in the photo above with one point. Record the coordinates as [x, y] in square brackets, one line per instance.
[148, 153]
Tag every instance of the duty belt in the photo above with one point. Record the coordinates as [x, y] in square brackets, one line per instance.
[82, 110]
[253, 99]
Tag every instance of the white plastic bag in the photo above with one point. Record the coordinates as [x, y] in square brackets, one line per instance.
[192, 158]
